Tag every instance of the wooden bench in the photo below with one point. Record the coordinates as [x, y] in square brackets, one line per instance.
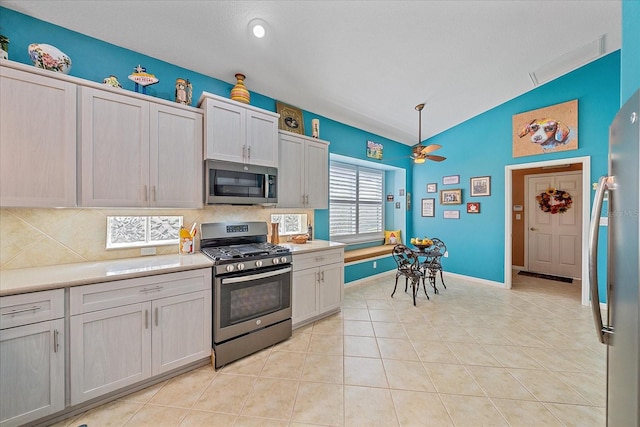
[365, 253]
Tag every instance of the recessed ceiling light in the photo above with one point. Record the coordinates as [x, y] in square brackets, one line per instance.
[258, 28]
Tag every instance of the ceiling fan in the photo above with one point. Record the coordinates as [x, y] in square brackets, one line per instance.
[420, 153]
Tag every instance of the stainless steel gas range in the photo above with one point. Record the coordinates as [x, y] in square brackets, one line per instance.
[251, 289]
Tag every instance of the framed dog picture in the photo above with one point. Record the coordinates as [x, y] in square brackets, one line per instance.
[480, 186]
[546, 130]
[451, 197]
[432, 188]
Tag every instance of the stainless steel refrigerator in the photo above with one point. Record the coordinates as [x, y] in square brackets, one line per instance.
[620, 331]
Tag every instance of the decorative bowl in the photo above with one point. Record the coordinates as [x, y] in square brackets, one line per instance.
[300, 239]
[49, 58]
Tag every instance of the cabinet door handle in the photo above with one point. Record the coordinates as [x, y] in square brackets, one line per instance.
[146, 319]
[23, 310]
[317, 277]
[157, 316]
[249, 153]
[154, 289]
[322, 276]
[244, 152]
[56, 343]
[146, 196]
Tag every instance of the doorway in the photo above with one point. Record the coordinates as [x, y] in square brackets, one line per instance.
[553, 236]
[511, 211]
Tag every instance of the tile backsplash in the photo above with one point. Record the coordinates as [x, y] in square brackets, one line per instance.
[39, 237]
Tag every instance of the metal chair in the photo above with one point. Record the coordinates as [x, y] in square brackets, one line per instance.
[409, 267]
[432, 264]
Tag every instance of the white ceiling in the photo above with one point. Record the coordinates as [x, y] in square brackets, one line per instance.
[363, 63]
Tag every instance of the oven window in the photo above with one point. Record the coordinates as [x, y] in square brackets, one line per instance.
[247, 303]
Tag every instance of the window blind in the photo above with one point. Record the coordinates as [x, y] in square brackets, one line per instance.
[355, 201]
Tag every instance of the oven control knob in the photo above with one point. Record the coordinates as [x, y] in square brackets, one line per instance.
[258, 263]
[240, 266]
[275, 260]
[283, 259]
[229, 267]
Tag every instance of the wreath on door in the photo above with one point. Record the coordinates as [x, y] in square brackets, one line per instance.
[554, 201]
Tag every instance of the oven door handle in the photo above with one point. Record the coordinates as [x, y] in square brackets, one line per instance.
[255, 276]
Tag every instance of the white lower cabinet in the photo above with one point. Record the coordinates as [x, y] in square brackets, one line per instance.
[126, 331]
[31, 356]
[318, 284]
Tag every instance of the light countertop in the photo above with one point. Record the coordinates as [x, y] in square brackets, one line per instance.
[311, 246]
[60, 276]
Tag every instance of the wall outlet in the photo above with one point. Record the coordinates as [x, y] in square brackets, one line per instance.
[375, 264]
[147, 251]
[446, 254]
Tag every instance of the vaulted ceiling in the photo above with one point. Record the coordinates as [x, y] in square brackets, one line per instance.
[363, 63]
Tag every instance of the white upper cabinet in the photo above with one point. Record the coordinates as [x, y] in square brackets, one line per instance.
[37, 140]
[175, 150]
[136, 153]
[236, 132]
[303, 173]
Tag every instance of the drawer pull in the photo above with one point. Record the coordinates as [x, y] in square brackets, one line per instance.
[154, 289]
[146, 319]
[157, 316]
[319, 258]
[24, 310]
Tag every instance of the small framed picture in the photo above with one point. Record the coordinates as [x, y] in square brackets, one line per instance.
[432, 188]
[473, 207]
[290, 118]
[451, 179]
[397, 205]
[480, 186]
[451, 197]
[428, 207]
[451, 214]
[401, 192]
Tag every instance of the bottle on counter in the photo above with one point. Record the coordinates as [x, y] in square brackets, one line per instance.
[310, 232]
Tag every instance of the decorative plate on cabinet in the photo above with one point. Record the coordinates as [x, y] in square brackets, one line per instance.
[49, 58]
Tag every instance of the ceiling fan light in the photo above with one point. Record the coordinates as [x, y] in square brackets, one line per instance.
[419, 160]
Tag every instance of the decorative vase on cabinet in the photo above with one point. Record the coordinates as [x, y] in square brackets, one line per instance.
[239, 92]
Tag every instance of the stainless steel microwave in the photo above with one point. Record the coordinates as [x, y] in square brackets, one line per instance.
[240, 184]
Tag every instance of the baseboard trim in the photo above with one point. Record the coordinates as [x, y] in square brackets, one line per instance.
[475, 280]
[366, 279]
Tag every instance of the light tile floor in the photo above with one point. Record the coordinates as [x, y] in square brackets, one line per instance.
[473, 355]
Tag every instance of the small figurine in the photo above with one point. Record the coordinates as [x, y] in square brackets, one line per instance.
[184, 91]
[142, 78]
[112, 81]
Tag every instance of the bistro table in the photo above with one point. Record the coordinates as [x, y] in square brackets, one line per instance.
[431, 265]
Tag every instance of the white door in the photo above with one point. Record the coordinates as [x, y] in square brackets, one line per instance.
[110, 349]
[115, 150]
[175, 163]
[290, 172]
[555, 239]
[181, 330]
[317, 175]
[262, 139]
[32, 372]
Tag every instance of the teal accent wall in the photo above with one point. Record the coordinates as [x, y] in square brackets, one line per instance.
[630, 59]
[364, 269]
[482, 146]
[93, 60]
